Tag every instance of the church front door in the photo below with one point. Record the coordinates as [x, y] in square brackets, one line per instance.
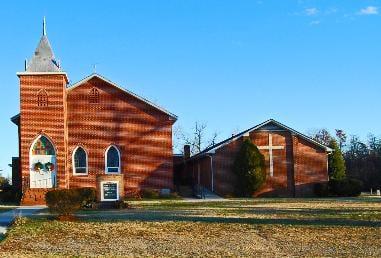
[42, 161]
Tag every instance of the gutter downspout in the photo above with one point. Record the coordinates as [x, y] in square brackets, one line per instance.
[198, 173]
[212, 171]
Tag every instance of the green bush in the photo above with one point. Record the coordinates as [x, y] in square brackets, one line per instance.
[173, 195]
[348, 187]
[249, 167]
[336, 163]
[63, 202]
[88, 196]
[321, 189]
[121, 204]
[67, 201]
[9, 193]
[150, 193]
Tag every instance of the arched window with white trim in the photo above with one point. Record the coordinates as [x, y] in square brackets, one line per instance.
[112, 160]
[80, 161]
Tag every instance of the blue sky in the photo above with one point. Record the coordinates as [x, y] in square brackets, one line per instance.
[231, 64]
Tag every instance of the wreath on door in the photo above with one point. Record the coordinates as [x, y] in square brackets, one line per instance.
[49, 166]
[38, 166]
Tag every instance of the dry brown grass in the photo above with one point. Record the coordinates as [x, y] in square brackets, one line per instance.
[158, 237]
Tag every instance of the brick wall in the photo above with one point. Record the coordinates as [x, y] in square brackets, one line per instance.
[48, 120]
[278, 183]
[142, 133]
[224, 179]
[310, 167]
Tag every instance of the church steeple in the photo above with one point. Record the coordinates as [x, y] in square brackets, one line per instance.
[43, 59]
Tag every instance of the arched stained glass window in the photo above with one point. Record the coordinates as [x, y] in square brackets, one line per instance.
[42, 98]
[94, 96]
[80, 161]
[43, 147]
[112, 160]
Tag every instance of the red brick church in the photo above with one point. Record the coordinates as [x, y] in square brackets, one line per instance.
[93, 133]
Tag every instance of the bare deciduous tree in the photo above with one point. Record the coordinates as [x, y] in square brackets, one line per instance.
[322, 136]
[197, 139]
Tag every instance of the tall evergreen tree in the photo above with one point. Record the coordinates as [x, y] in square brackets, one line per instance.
[249, 167]
[336, 162]
[342, 137]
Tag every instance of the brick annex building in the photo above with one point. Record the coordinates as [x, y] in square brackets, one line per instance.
[294, 162]
[93, 133]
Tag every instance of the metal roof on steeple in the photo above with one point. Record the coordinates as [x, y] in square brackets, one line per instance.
[43, 59]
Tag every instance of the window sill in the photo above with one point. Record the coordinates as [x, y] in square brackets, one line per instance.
[79, 174]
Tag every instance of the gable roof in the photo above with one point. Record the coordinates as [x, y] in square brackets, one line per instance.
[212, 149]
[95, 75]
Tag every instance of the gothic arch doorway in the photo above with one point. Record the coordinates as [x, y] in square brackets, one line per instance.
[42, 163]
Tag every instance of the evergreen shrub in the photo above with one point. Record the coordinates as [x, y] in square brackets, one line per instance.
[65, 202]
[348, 187]
[249, 168]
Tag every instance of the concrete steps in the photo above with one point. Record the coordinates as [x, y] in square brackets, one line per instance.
[205, 193]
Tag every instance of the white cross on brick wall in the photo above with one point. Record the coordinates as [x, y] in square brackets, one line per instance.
[270, 148]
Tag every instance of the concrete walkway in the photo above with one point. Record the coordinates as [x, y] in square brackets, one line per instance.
[6, 218]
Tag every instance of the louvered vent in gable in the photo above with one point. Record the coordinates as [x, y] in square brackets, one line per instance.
[42, 98]
[94, 96]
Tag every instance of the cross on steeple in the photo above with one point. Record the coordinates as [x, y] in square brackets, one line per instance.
[43, 59]
[44, 27]
[270, 148]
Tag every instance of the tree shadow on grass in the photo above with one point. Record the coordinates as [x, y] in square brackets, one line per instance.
[304, 211]
[188, 216]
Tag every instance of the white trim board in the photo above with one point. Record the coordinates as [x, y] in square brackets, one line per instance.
[44, 73]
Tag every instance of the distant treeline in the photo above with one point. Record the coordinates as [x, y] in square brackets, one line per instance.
[362, 158]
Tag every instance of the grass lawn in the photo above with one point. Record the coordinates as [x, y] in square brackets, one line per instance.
[239, 227]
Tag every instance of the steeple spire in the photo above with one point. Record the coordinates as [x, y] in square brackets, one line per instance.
[44, 27]
[43, 59]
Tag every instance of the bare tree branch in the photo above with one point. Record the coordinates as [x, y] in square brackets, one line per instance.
[196, 139]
